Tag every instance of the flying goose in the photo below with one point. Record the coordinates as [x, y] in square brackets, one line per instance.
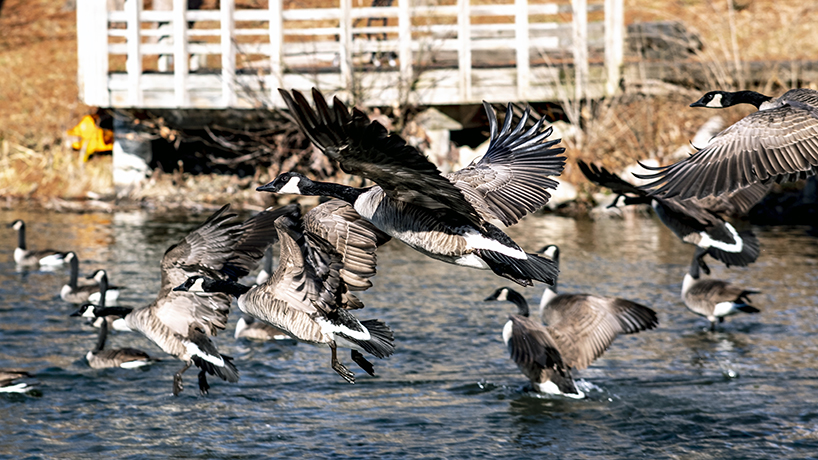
[85, 290]
[713, 299]
[445, 217]
[181, 323]
[579, 328]
[30, 258]
[99, 358]
[9, 381]
[779, 141]
[306, 298]
[694, 221]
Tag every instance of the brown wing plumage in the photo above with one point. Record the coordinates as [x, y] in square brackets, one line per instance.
[583, 326]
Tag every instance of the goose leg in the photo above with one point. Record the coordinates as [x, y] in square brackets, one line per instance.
[712, 326]
[340, 368]
[177, 380]
[363, 363]
[203, 386]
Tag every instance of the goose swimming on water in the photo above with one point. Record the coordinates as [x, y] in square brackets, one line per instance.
[10, 381]
[445, 217]
[694, 221]
[181, 323]
[99, 357]
[85, 290]
[579, 328]
[711, 298]
[306, 296]
[30, 258]
[779, 141]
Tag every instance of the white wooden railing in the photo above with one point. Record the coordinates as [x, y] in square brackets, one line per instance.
[447, 53]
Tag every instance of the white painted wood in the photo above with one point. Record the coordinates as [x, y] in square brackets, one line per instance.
[228, 51]
[614, 44]
[464, 47]
[133, 9]
[405, 47]
[522, 48]
[180, 56]
[92, 52]
[345, 44]
[580, 47]
[276, 26]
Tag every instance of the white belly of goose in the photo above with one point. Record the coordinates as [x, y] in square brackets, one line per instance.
[551, 388]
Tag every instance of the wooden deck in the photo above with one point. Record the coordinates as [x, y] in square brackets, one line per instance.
[443, 52]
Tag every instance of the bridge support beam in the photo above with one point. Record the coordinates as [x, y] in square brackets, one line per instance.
[131, 155]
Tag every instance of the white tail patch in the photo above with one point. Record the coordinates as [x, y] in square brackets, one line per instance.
[707, 242]
[474, 240]
[134, 364]
[193, 349]
[725, 309]
[331, 329]
[551, 388]
[16, 388]
[53, 259]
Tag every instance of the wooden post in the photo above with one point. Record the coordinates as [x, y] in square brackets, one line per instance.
[133, 11]
[521, 35]
[464, 48]
[180, 56]
[228, 53]
[345, 42]
[92, 52]
[276, 8]
[580, 45]
[405, 45]
[614, 43]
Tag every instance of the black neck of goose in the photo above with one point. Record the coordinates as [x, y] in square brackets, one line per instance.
[75, 271]
[21, 237]
[517, 299]
[112, 311]
[340, 191]
[103, 289]
[637, 200]
[227, 287]
[694, 268]
[268, 260]
[745, 97]
[103, 335]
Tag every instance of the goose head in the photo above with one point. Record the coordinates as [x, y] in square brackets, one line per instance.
[70, 256]
[17, 224]
[98, 275]
[196, 283]
[288, 182]
[510, 295]
[87, 310]
[714, 100]
[552, 251]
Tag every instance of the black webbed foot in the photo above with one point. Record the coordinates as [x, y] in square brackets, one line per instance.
[177, 380]
[363, 363]
[203, 385]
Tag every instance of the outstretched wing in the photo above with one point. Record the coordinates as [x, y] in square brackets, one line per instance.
[364, 147]
[511, 179]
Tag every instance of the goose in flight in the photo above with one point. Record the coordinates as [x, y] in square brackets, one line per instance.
[443, 216]
[308, 296]
[182, 323]
[778, 142]
[694, 221]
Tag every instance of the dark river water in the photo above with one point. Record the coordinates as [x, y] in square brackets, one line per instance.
[749, 390]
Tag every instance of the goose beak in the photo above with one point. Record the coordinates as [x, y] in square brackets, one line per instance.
[269, 187]
[698, 103]
[77, 313]
[490, 298]
[181, 288]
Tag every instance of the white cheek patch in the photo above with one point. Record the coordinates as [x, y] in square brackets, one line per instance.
[198, 286]
[193, 349]
[503, 295]
[291, 186]
[715, 102]
[553, 249]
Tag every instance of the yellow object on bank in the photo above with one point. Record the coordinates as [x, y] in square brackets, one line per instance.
[93, 139]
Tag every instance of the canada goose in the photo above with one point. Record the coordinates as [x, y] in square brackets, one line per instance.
[444, 217]
[9, 381]
[266, 267]
[305, 296]
[85, 290]
[25, 257]
[779, 141]
[248, 328]
[181, 323]
[694, 221]
[99, 358]
[581, 327]
[713, 299]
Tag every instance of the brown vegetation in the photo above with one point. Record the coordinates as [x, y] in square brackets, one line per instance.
[39, 101]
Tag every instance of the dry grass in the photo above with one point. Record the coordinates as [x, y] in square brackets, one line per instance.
[39, 99]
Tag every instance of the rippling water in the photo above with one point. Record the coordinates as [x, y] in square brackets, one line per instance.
[449, 391]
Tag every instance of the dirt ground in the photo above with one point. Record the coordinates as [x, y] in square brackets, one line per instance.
[39, 99]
